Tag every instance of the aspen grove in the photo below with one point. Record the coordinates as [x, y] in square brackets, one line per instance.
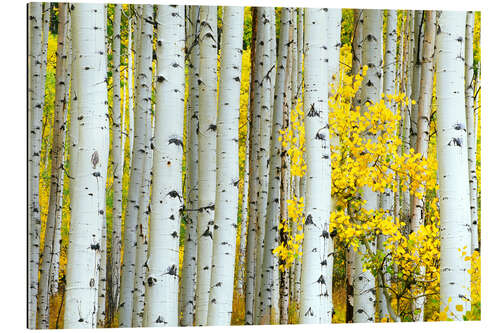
[211, 165]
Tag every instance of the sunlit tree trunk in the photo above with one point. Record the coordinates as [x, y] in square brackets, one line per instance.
[163, 262]
[35, 120]
[131, 70]
[141, 113]
[452, 165]
[387, 197]
[269, 306]
[207, 157]
[418, 31]
[471, 132]
[84, 249]
[188, 277]
[424, 111]
[142, 231]
[117, 161]
[56, 177]
[355, 69]
[226, 203]
[333, 49]
[254, 111]
[265, 106]
[364, 281]
[406, 117]
[315, 307]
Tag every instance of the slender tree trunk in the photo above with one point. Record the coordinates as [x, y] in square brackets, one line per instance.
[207, 157]
[418, 37]
[269, 307]
[364, 282]
[50, 252]
[84, 248]
[131, 70]
[251, 253]
[424, 110]
[387, 198]
[142, 231]
[315, 305]
[141, 121]
[226, 207]
[117, 163]
[355, 69]
[452, 164]
[188, 277]
[35, 117]
[471, 132]
[163, 261]
[265, 106]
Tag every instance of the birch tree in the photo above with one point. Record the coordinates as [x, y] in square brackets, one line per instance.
[207, 157]
[422, 144]
[315, 306]
[163, 260]
[117, 161]
[84, 247]
[188, 276]
[226, 207]
[264, 141]
[364, 281]
[387, 198]
[54, 216]
[471, 133]
[454, 197]
[141, 112]
[251, 253]
[35, 117]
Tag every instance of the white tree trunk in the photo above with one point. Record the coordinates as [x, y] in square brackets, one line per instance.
[255, 112]
[364, 282]
[35, 118]
[188, 276]
[141, 120]
[226, 206]
[471, 132]
[454, 197]
[142, 232]
[132, 23]
[269, 305]
[389, 88]
[265, 106]
[117, 161]
[84, 249]
[207, 157]
[315, 305]
[416, 68]
[163, 262]
[54, 215]
[423, 127]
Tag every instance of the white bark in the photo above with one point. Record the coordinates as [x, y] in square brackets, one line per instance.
[207, 157]
[117, 161]
[141, 114]
[35, 119]
[255, 114]
[471, 131]
[389, 88]
[130, 84]
[53, 225]
[364, 282]
[142, 232]
[269, 305]
[452, 164]
[315, 305]
[188, 276]
[226, 207]
[263, 153]
[84, 249]
[416, 68]
[424, 111]
[163, 262]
